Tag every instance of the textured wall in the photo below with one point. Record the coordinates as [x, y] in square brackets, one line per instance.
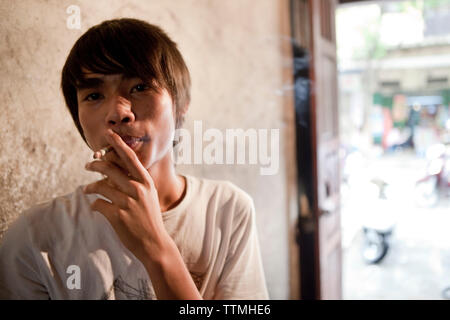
[239, 58]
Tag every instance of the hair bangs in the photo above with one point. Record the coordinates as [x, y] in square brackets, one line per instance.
[103, 54]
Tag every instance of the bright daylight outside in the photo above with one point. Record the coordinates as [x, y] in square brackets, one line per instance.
[394, 70]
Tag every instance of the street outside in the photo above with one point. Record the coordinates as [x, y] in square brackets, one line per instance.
[417, 265]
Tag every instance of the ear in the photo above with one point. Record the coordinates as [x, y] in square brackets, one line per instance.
[179, 117]
[185, 109]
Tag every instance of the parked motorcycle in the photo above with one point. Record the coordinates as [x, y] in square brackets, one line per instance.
[436, 181]
[378, 224]
[367, 200]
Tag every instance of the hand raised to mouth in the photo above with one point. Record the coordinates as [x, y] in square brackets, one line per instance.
[135, 214]
[134, 211]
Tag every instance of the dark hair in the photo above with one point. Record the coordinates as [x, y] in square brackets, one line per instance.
[133, 48]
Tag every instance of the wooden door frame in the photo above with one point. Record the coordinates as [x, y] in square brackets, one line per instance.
[310, 202]
[306, 237]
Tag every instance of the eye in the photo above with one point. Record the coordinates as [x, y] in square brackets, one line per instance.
[92, 96]
[140, 88]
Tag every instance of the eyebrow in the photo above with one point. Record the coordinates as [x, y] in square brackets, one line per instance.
[88, 83]
[95, 82]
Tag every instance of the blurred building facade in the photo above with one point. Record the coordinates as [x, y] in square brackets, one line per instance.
[398, 92]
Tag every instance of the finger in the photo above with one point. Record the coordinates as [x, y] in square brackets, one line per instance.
[108, 210]
[102, 152]
[114, 158]
[112, 213]
[129, 157]
[103, 188]
[108, 153]
[116, 176]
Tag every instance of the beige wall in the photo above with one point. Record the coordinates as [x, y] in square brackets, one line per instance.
[239, 60]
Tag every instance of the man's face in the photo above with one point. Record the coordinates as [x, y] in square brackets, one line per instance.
[142, 116]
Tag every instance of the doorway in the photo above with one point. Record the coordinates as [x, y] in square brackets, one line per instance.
[394, 125]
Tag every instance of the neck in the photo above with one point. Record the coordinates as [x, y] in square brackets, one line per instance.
[170, 186]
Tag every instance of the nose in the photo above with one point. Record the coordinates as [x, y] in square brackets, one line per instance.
[119, 111]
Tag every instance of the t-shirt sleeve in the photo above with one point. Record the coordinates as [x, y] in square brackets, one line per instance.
[243, 275]
[19, 272]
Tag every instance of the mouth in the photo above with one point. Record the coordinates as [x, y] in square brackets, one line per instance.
[135, 142]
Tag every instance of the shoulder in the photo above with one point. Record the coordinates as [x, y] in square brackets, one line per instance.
[222, 195]
[59, 209]
[54, 219]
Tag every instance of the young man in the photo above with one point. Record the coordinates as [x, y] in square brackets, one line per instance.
[144, 231]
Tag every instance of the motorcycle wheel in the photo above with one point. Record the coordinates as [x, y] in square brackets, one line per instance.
[375, 247]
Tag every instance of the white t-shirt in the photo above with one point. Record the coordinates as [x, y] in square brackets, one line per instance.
[61, 249]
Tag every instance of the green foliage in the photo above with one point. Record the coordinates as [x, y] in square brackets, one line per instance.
[433, 4]
[404, 6]
[373, 48]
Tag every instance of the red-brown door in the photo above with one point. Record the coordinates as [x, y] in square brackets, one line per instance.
[317, 142]
[325, 135]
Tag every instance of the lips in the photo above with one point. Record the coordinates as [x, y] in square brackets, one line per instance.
[132, 142]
